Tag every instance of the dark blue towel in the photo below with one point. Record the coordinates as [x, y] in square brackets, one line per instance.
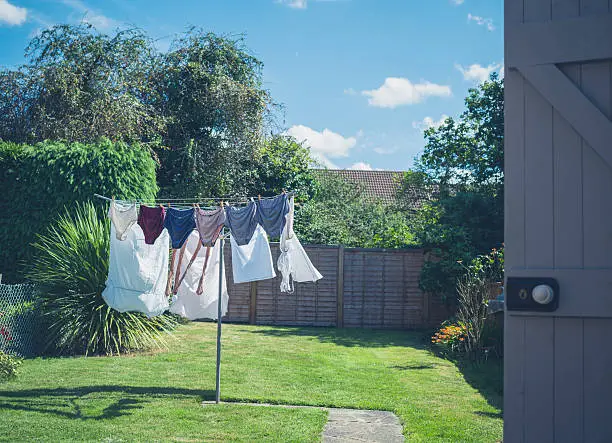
[179, 223]
[241, 222]
[271, 214]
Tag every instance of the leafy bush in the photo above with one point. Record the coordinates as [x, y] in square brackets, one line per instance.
[8, 366]
[38, 181]
[340, 214]
[71, 266]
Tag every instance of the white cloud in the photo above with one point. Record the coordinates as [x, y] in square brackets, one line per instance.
[385, 151]
[476, 72]
[482, 21]
[397, 91]
[96, 19]
[457, 2]
[429, 122]
[325, 144]
[12, 15]
[361, 166]
[297, 4]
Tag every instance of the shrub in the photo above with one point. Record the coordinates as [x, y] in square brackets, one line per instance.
[39, 181]
[8, 366]
[71, 266]
[450, 337]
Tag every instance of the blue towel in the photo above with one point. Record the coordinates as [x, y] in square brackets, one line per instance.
[179, 223]
[271, 214]
[241, 222]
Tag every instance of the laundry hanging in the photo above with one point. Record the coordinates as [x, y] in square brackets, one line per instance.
[123, 216]
[188, 303]
[271, 214]
[241, 222]
[151, 221]
[179, 223]
[209, 225]
[138, 273]
[252, 261]
[293, 261]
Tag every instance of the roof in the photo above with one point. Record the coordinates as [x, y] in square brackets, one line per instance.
[380, 186]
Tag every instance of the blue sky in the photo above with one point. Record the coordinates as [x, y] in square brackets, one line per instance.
[359, 79]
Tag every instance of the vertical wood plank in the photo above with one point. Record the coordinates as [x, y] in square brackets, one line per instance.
[562, 9]
[539, 379]
[514, 180]
[340, 289]
[568, 188]
[514, 367]
[597, 380]
[569, 395]
[539, 179]
[597, 176]
[513, 12]
[537, 10]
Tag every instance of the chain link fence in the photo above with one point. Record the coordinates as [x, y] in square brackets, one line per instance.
[18, 320]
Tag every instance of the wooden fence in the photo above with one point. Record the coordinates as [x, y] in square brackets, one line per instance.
[363, 288]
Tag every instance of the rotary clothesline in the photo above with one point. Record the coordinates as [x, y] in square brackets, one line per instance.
[246, 227]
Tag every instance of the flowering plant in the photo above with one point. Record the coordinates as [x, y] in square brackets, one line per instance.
[450, 336]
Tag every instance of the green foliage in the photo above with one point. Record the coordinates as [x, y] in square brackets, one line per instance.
[71, 266]
[284, 163]
[201, 105]
[38, 181]
[340, 214]
[79, 85]
[209, 90]
[462, 169]
[9, 366]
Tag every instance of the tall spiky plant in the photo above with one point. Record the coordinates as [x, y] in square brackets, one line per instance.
[71, 266]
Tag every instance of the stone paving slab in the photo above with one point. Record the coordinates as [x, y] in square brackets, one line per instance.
[350, 425]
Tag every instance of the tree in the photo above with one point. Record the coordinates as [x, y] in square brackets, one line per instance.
[462, 165]
[200, 107]
[208, 89]
[79, 85]
[340, 214]
[284, 164]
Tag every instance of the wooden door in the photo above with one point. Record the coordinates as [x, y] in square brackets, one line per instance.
[558, 164]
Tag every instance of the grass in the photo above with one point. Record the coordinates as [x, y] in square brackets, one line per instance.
[156, 396]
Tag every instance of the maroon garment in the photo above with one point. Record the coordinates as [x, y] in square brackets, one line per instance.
[151, 220]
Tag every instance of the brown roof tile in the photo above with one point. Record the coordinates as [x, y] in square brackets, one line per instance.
[381, 186]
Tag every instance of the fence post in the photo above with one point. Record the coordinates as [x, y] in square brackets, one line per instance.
[340, 287]
[253, 306]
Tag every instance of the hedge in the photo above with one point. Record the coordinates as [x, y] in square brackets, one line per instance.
[38, 182]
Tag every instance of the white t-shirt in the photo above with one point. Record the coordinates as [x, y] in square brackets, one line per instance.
[253, 261]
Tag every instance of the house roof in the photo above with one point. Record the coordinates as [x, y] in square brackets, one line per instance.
[380, 186]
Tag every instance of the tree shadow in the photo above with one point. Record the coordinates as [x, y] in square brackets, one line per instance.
[414, 367]
[349, 337]
[64, 402]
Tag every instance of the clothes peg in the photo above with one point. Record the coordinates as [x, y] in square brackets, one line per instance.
[259, 197]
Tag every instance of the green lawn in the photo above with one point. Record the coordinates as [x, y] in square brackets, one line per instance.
[156, 397]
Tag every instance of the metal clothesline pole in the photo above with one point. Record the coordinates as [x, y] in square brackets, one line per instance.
[219, 313]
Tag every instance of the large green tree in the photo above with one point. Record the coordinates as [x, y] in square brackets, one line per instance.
[461, 169]
[200, 106]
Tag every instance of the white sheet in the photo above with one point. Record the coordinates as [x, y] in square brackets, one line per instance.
[138, 273]
[188, 303]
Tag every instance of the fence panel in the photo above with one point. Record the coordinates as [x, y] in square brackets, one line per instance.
[18, 320]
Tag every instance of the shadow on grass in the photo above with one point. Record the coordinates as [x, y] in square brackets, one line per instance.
[487, 377]
[64, 402]
[367, 338]
[413, 367]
